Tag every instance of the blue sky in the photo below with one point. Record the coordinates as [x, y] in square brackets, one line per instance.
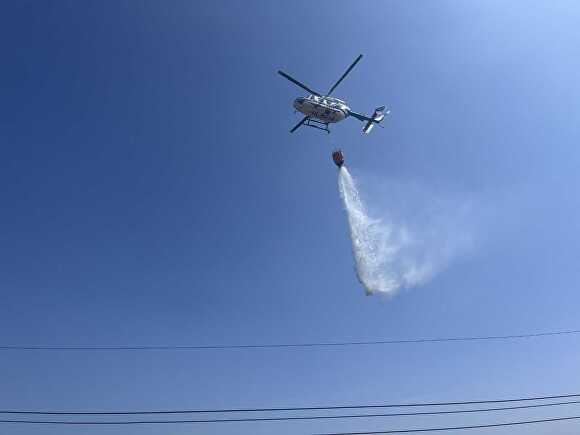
[151, 194]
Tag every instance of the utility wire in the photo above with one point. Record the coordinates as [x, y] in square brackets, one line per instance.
[299, 408]
[438, 429]
[294, 418]
[288, 345]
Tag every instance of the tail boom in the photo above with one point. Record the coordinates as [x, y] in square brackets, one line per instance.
[377, 117]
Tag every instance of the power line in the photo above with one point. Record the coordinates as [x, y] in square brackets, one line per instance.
[294, 418]
[288, 345]
[438, 429]
[297, 408]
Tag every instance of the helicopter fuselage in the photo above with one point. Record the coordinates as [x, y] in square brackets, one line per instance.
[325, 109]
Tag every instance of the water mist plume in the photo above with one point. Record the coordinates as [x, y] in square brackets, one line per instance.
[392, 255]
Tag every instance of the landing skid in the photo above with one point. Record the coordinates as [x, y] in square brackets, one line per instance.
[317, 124]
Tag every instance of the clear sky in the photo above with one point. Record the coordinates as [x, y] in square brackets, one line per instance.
[151, 194]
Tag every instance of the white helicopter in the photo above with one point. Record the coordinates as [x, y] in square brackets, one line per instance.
[321, 110]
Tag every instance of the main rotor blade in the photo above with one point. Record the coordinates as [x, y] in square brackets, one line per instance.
[345, 74]
[296, 82]
[299, 124]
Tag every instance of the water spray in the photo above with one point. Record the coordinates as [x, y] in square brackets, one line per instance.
[393, 253]
[365, 234]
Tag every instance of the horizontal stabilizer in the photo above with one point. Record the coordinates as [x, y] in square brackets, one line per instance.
[378, 116]
[368, 127]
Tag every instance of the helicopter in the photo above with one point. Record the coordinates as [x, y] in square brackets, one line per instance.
[321, 110]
